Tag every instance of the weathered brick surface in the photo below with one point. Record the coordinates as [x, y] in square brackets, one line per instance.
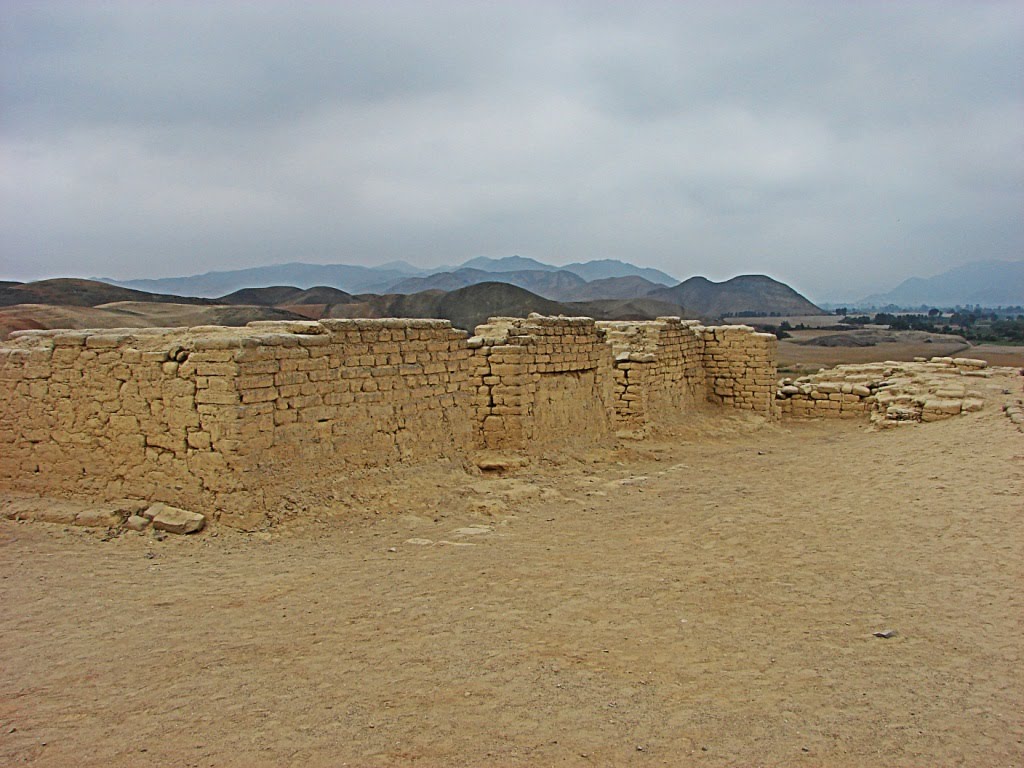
[889, 393]
[740, 366]
[235, 422]
[542, 380]
[658, 369]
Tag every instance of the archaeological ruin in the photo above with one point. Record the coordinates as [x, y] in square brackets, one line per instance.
[230, 421]
[234, 422]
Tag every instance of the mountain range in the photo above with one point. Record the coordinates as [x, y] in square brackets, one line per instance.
[400, 277]
[463, 296]
[988, 283]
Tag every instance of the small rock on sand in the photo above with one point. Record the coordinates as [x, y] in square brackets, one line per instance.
[175, 520]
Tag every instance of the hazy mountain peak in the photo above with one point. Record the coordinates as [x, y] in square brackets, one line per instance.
[743, 294]
[989, 283]
[600, 269]
[507, 264]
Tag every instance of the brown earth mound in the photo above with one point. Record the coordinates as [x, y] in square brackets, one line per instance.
[132, 314]
[745, 294]
[74, 292]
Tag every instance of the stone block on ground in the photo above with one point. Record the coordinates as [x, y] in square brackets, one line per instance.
[136, 523]
[174, 519]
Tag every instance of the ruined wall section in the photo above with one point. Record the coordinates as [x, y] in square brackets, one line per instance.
[316, 399]
[249, 424]
[889, 393]
[232, 421]
[658, 370]
[542, 381]
[740, 366]
[108, 415]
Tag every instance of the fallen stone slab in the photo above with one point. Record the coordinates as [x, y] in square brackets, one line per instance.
[500, 463]
[136, 523]
[42, 510]
[174, 520]
[969, 362]
[70, 512]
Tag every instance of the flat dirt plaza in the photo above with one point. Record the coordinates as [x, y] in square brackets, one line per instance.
[704, 598]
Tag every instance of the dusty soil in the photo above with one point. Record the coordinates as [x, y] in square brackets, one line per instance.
[796, 355]
[1000, 354]
[706, 598]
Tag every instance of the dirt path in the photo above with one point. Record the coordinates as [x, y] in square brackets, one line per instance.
[701, 602]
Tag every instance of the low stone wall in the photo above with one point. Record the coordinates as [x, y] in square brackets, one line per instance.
[1015, 413]
[245, 424]
[888, 393]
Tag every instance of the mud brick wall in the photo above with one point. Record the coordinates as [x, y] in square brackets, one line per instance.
[107, 415]
[313, 401]
[237, 422]
[362, 392]
[740, 366]
[249, 424]
[542, 381]
[658, 369]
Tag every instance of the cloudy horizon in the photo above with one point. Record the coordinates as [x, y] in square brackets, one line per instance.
[837, 147]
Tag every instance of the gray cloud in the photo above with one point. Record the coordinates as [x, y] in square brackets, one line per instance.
[839, 147]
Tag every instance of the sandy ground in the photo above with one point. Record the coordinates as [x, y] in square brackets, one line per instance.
[800, 358]
[706, 598]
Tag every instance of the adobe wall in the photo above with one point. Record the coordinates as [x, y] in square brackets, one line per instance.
[658, 369]
[239, 423]
[543, 381]
[740, 366]
[228, 419]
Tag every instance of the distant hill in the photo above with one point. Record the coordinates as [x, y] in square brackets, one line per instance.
[552, 284]
[277, 295]
[465, 307]
[506, 264]
[753, 294]
[465, 296]
[74, 292]
[470, 306]
[269, 296]
[351, 278]
[989, 283]
[387, 278]
[601, 269]
[626, 309]
[629, 287]
[598, 269]
[132, 314]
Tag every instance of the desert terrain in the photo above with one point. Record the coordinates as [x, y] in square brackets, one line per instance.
[707, 596]
[798, 354]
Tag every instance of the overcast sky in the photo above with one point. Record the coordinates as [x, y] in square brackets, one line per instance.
[838, 146]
